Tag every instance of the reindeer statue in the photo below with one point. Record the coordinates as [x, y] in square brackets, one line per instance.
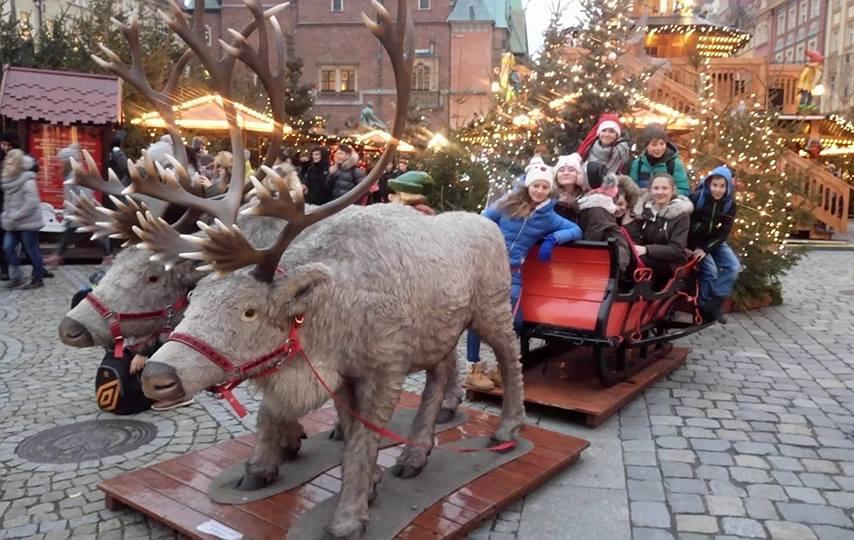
[313, 297]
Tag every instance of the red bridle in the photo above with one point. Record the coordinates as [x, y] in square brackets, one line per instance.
[115, 319]
[236, 374]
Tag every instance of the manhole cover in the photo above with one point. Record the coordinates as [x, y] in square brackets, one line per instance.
[84, 441]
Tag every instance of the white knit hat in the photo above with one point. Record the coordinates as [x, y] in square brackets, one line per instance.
[540, 172]
[572, 160]
[609, 124]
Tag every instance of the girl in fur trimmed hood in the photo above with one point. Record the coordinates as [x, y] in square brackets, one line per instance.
[662, 221]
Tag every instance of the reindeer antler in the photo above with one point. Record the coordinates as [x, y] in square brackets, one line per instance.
[89, 177]
[119, 224]
[396, 38]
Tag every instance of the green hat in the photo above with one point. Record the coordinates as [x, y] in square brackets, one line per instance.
[412, 182]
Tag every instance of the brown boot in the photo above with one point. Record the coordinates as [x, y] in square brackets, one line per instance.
[477, 378]
[495, 376]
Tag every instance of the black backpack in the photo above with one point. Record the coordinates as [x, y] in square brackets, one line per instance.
[116, 390]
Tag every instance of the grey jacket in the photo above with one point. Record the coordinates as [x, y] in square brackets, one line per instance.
[21, 203]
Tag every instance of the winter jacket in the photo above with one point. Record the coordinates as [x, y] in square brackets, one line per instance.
[712, 220]
[644, 167]
[21, 203]
[596, 218]
[346, 176]
[664, 234]
[567, 210]
[520, 234]
[315, 177]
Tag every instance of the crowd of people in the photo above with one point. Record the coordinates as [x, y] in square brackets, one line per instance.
[656, 220]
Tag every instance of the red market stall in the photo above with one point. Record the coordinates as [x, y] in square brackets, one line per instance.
[53, 109]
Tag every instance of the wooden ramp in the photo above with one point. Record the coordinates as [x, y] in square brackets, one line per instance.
[174, 492]
[577, 388]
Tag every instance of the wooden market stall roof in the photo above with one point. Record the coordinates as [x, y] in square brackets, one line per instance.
[207, 114]
[60, 97]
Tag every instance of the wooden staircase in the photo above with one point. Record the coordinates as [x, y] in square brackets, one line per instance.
[828, 195]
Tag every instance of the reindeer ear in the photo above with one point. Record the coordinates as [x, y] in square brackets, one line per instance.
[298, 289]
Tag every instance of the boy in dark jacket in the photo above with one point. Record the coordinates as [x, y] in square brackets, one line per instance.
[711, 223]
[659, 156]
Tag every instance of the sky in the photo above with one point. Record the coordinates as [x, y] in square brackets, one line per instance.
[538, 12]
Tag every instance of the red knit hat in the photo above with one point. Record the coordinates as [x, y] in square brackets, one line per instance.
[607, 118]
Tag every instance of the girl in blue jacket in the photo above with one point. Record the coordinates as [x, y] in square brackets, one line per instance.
[524, 216]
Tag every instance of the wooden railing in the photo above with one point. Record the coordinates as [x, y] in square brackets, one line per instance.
[830, 195]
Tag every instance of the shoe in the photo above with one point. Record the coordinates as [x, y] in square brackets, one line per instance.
[495, 376]
[15, 283]
[477, 378]
[174, 404]
[47, 274]
[34, 284]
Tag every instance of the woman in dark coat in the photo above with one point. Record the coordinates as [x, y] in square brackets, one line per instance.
[315, 176]
[660, 228]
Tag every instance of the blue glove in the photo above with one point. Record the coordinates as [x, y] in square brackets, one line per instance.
[547, 247]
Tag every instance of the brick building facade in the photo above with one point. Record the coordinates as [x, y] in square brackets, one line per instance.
[786, 29]
[457, 45]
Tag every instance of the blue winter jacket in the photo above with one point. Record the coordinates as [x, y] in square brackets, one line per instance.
[520, 234]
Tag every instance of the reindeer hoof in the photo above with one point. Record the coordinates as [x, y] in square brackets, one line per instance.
[406, 471]
[350, 532]
[445, 415]
[253, 481]
[337, 433]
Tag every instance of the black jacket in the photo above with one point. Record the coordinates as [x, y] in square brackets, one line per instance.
[712, 220]
[665, 235]
[315, 177]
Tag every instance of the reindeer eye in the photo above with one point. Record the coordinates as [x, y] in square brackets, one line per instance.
[153, 279]
[249, 315]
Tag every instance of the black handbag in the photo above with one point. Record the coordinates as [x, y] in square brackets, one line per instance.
[116, 390]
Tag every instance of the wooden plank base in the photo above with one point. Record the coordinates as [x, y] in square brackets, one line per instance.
[575, 387]
[174, 492]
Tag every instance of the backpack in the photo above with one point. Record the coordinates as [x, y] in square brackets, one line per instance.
[643, 175]
[116, 390]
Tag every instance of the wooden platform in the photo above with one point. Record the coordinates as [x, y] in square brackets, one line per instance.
[581, 390]
[174, 492]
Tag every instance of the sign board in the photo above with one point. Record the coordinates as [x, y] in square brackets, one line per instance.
[45, 141]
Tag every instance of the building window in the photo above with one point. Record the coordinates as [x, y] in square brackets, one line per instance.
[789, 55]
[815, 8]
[338, 79]
[421, 77]
[799, 53]
[811, 44]
[778, 58]
[802, 12]
[337, 5]
[793, 17]
[781, 22]
[850, 35]
[423, 4]
[762, 32]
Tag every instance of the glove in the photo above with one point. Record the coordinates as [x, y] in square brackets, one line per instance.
[547, 247]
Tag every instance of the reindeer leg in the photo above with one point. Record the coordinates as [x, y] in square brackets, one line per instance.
[414, 456]
[277, 440]
[344, 425]
[376, 399]
[453, 392]
[494, 323]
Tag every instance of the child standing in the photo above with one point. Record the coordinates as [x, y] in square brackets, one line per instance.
[524, 216]
[711, 223]
[659, 156]
[605, 144]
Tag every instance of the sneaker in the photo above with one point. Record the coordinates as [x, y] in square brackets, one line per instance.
[161, 406]
[477, 378]
[34, 284]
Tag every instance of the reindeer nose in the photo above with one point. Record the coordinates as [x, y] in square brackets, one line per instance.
[75, 334]
[160, 382]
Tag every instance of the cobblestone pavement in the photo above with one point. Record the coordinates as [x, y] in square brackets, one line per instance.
[749, 440]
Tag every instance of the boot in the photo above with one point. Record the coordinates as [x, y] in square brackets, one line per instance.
[477, 378]
[711, 311]
[495, 376]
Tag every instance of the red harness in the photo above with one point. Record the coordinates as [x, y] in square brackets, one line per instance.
[266, 364]
[114, 320]
[234, 375]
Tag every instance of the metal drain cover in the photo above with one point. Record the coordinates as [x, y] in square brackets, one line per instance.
[84, 441]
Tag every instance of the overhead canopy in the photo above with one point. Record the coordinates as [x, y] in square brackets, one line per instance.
[207, 114]
[60, 97]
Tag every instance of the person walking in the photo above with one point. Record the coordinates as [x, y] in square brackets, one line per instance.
[21, 217]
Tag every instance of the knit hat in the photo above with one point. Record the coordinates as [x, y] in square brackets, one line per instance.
[600, 180]
[572, 160]
[535, 161]
[413, 182]
[540, 172]
[650, 133]
[606, 121]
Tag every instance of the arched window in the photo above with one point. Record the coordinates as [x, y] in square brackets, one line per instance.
[421, 77]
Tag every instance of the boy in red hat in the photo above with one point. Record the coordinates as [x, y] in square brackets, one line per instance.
[606, 144]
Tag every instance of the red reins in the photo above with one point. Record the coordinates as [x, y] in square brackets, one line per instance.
[115, 319]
